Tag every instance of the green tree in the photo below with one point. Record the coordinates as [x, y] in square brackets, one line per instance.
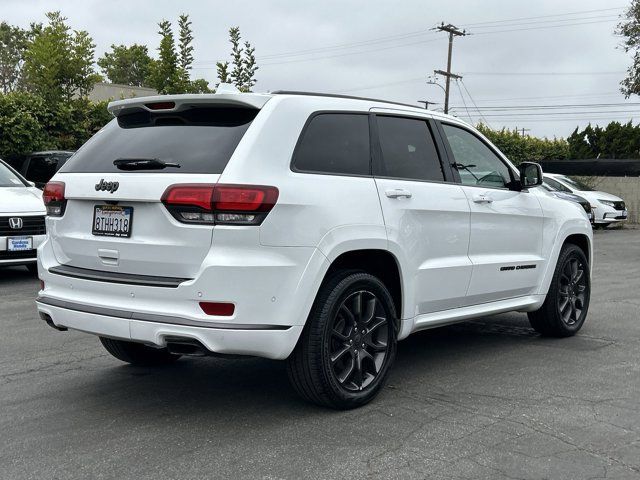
[171, 72]
[127, 65]
[185, 49]
[613, 141]
[243, 63]
[58, 62]
[165, 76]
[520, 148]
[629, 29]
[22, 120]
[13, 44]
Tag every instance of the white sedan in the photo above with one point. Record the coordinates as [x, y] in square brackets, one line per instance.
[22, 212]
[607, 208]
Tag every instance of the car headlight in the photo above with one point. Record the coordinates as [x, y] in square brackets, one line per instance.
[609, 203]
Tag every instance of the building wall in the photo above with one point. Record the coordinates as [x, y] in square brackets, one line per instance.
[627, 188]
[112, 91]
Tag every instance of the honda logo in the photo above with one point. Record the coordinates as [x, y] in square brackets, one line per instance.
[16, 223]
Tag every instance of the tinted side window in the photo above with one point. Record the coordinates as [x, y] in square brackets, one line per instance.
[335, 143]
[41, 169]
[408, 150]
[476, 163]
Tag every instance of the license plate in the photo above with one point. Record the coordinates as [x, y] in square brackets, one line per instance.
[19, 244]
[112, 220]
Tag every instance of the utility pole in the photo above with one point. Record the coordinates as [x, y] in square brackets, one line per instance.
[427, 103]
[453, 31]
[523, 130]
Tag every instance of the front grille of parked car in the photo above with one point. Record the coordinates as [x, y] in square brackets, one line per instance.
[5, 255]
[618, 205]
[33, 225]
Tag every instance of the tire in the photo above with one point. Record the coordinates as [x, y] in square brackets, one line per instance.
[335, 364]
[565, 309]
[137, 353]
[33, 268]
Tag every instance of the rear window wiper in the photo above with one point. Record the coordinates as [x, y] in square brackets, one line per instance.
[143, 164]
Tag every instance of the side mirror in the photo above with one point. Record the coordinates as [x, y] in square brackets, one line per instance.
[530, 174]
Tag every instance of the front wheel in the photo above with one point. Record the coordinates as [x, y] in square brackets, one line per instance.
[565, 309]
[348, 345]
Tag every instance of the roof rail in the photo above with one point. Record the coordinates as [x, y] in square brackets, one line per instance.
[334, 95]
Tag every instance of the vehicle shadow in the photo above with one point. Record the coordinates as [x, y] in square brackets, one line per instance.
[16, 275]
[218, 390]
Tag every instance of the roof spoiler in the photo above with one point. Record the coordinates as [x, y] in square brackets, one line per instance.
[176, 103]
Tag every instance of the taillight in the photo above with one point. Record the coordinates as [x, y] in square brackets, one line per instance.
[220, 204]
[53, 196]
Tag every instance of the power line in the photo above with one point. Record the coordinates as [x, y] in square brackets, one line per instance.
[545, 16]
[463, 102]
[583, 95]
[521, 115]
[558, 22]
[474, 103]
[544, 27]
[532, 74]
[621, 119]
[556, 106]
[407, 35]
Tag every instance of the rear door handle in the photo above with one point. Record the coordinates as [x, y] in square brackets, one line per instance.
[482, 198]
[398, 193]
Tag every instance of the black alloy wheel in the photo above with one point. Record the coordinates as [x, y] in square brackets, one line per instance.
[359, 340]
[567, 302]
[348, 344]
[572, 291]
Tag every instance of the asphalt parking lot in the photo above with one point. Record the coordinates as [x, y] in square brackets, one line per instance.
[488, 399]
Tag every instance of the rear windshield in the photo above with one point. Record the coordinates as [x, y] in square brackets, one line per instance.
[200, 140]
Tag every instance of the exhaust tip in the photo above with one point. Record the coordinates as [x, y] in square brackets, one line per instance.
[186, 346]
[47, 318]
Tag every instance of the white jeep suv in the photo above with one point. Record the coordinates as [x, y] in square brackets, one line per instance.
[313, 228]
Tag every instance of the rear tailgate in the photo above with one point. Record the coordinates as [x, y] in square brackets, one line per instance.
[158, 244]
[114, 219]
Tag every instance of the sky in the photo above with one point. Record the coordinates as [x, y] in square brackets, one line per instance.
[561, 55]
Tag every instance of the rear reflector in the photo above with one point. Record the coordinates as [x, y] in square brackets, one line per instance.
[219, 309]
[54, 200]
[220, 204]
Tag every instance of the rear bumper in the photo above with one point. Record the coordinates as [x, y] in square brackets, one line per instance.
[272, 289]
[275, 343]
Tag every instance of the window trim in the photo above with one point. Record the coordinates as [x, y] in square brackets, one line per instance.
[305, 127]
[377, 147]
[451, 156]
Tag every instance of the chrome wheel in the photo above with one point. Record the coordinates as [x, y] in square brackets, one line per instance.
[573, 291]
[359, 342]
